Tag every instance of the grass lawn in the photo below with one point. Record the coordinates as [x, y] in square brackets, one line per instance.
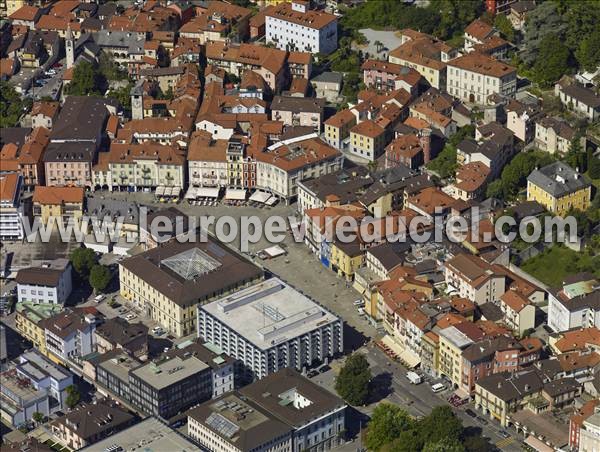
[554, 264]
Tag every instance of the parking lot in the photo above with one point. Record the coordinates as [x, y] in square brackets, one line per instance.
[48, 85]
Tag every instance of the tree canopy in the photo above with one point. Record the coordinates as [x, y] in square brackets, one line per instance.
[552, 62]
[387, 423]
[87, 79]
[73, 396]
[83, 259]
[352, 383]
[392, 429]
[12, 105]
[444, 164]
[514, 175]
[99, 277]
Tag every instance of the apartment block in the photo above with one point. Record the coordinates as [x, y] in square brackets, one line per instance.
[50, 283]
[295, 332]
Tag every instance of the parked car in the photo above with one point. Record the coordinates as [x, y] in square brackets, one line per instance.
[438, 387]
[504, 434]
[359, 303]
[130, 316]
[312, 373]
[324, 368]
[470, 412]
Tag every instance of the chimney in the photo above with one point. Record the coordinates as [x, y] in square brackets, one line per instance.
[425, 143]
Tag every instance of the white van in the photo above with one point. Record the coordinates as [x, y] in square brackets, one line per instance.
[438, 387]
[99, 298]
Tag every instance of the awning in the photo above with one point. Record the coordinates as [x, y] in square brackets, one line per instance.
[235, 193]
[207, 192]
[175, 191]
[160, 190]
[274, 251]
[409, 358]
[538, 445]
[272, 200]
[191, 193]
[260, 196]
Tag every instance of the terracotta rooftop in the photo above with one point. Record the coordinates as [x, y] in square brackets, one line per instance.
[482, 64]
[58, 195]
[368, 128]
[8, 186]
[514, 300]
[310, 19]
[479, 29]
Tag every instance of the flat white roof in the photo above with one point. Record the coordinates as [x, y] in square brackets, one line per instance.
[235, 193]
[207, 192]
[274, 251]
[260, 196]
[269, 312]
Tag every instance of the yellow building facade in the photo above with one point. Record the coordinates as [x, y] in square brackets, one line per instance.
[27, 318]
[559, 188]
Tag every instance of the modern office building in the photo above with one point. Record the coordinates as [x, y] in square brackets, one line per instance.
[270, 326]
[177, 380]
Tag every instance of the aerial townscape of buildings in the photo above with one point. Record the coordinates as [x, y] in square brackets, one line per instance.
[124, 114]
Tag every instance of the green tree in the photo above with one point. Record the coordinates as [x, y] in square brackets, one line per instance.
[352, 85]
[444, 445]
[38, 417]
[99, 277]
[454, 15]
[494, 190]
[576, 158]
[109, 69]
[387, 423]
[504, 26]
[445, 162]
[352, 383]
[83, 259]
[73, 396]
[593, 165]
[12, 105]
[87, 80]
[582, 19]
[441, 424]
[552, 61]
[542, 22]
[588, 52]
[407, 441]
[123, 95]
[476, 443]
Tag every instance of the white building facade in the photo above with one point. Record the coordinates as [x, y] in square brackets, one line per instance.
[294, 27]
[296, 332]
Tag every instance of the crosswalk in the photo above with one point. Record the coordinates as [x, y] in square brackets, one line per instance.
[505, 442]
